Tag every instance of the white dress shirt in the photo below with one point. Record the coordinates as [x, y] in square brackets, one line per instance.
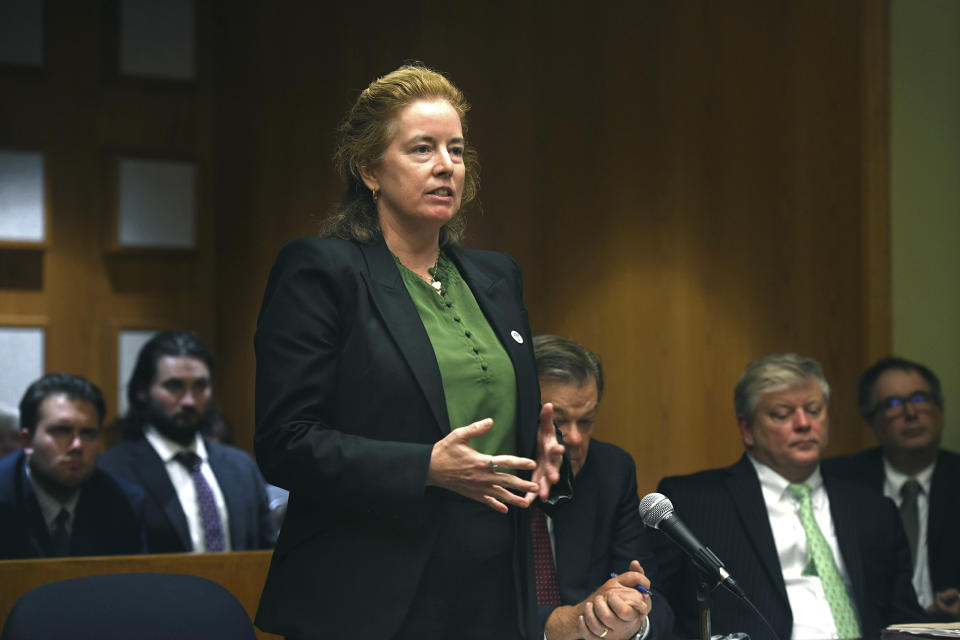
[812, 619]
[921, 567]
[182, 482]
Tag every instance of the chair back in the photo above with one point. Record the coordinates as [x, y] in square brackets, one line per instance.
[146, 606]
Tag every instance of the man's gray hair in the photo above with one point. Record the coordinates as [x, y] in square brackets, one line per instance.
[775, 372]
[563, 360]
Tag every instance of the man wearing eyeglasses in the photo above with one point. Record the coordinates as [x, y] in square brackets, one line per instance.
[901, 402]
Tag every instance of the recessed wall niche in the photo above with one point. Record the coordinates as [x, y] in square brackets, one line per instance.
[21, 33]
[157, 39]
[24, 357]
[23, 217]
[156, 204]
[129, 343]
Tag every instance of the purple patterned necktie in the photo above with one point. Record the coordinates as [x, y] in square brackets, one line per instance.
[209, 516]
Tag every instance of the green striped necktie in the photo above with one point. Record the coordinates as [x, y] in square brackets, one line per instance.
[819, 551]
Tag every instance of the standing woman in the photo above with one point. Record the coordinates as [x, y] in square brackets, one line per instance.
[397, 395]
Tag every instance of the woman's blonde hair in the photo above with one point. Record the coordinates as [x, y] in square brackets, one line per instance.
[365, 134]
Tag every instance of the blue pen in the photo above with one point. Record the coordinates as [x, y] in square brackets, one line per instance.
[642, 589]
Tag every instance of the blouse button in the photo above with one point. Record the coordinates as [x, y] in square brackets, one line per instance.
[456, 319]
[484, 367]
[467, 334]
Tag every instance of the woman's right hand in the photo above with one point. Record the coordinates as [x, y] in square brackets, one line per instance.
[456, 466]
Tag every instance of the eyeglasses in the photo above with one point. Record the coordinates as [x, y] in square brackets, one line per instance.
[894, 406]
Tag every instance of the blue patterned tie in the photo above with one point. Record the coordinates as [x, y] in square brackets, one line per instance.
[209, 516]
[820, 553]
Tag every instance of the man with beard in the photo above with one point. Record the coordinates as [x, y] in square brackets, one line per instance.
[201, 496]
[53, 499]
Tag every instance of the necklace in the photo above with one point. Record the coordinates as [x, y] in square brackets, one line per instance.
[432, 280]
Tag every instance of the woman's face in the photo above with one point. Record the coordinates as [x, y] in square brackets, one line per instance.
[420, 178]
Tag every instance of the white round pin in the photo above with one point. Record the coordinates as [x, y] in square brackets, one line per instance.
[516, 336]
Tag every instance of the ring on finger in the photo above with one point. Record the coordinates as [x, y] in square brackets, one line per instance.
[605, 632]
[493, 465]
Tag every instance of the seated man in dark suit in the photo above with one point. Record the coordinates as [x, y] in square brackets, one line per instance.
[201, 496]
[901, 402]
[53, 499]
[600, 532]
[818, 556]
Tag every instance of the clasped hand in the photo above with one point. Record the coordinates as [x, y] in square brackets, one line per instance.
[616, 610]
[456, 466]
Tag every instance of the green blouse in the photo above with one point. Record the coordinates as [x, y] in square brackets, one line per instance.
[478, 377]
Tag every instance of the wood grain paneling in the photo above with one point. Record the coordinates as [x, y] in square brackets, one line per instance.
[78, 112]
[687, 186]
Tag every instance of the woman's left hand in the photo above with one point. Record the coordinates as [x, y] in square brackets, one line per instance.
[549, 456]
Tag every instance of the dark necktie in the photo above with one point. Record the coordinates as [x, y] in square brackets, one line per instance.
[548, 590]
[209, 516]
[910, 514]
[60, 537]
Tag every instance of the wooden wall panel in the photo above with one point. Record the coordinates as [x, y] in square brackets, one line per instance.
[684, 184]
[78, 113]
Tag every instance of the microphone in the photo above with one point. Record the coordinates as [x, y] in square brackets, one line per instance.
[657, 512]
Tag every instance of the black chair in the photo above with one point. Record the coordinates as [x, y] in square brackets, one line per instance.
[145, 606]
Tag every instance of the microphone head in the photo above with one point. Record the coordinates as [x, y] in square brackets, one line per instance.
[654, 507]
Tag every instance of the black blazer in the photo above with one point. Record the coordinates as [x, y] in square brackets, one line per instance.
[725, 509]
[108, 519]
[600, 532]
[943, 526]
[349, 404]
[251, 525]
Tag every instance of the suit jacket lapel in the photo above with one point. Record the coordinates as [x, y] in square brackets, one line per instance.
[403, 322]
[507, 320]
[574, 531]
[875, 473]
[156, 482]
[36, 527]
[228, 481]
[744, 488]
[843, 511]
[940, 506]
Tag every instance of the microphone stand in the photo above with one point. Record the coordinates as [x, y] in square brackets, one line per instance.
[703, 605]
